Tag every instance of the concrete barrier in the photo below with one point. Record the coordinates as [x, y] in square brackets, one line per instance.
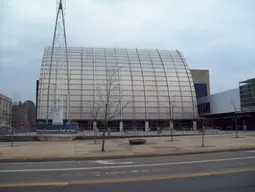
[18, 138]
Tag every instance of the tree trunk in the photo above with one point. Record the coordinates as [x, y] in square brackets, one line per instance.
[203, 133]
[172, 138]
[12, 135]
[236, 126]
[95, 135]
[103, 139]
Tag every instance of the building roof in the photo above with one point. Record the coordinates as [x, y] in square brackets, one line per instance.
[248, 81]
[149, 78]
[5, 97]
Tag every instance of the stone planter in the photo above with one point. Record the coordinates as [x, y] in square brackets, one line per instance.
[137, 141]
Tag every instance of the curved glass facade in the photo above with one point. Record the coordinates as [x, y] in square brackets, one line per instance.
[148, 79]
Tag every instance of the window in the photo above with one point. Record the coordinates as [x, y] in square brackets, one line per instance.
[204, 108]
[201, 90]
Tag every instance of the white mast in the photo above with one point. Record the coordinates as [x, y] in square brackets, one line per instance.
[59, 71]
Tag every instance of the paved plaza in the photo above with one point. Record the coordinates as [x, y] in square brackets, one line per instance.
[121, 148]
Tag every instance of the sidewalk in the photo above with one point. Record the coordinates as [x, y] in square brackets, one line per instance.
[87, 133]
[119, 148]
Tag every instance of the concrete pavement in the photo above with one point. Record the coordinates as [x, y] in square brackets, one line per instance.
[230, 171]
[70, 150]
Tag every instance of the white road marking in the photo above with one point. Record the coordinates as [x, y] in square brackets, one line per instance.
[124, 172]
[109, 162]
[95, 173]
[250, 151]
[126, 166]
[115, 173]
[140, 171]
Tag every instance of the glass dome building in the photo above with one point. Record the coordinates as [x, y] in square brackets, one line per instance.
[158, 84]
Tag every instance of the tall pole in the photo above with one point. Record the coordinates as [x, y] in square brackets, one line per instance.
[58, 51]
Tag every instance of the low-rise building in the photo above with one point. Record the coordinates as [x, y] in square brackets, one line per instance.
[231, 108]
[5, 111]
[24, 114]
[201, 79]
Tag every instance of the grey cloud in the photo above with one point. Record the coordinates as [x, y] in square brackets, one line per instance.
[215, 34]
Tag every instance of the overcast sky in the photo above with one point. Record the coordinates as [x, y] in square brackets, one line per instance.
[218, 35]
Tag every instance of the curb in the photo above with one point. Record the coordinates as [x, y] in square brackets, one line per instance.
[8, 138]
[122, 156]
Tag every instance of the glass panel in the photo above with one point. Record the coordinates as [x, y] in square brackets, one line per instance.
[152, 110]
[139, 98]
[151, 88]
[127, 110]
[127, 92]
[75, 92]
[139, 104]
[141, 93]
[149, 78]
[75, 81]
[75, 67]
[75, 110]
[186, 94]
[126, 87]
[72, 86]
[186, 88]
[162, 88]
[183, 79]
[125, 83]
[137, 78]
[138, 82]
[136, 87]
[75, 72]
[140, 110]
[173, 83]
[87, 98]
[88, 92]
[75, 97]
[187, 99]
[136, 73]
[125, 78]
[127, 116]
[140, 115]
[152, 103]
[188, 110]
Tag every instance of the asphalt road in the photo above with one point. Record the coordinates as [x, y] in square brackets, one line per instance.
[231, 171]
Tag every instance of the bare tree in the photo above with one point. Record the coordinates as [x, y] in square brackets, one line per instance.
[235, 116]
[109, 103]
[134, 127]
[13, 131]
[94, 114]
[201, 120]
[5, 123]
[171, 110]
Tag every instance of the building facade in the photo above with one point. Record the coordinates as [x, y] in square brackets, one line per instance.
[201, 81]
[17, 114]
[247, 95]
[231, 108]
[24, 114]
[151, 80]
[5, 111]
[220, 103]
